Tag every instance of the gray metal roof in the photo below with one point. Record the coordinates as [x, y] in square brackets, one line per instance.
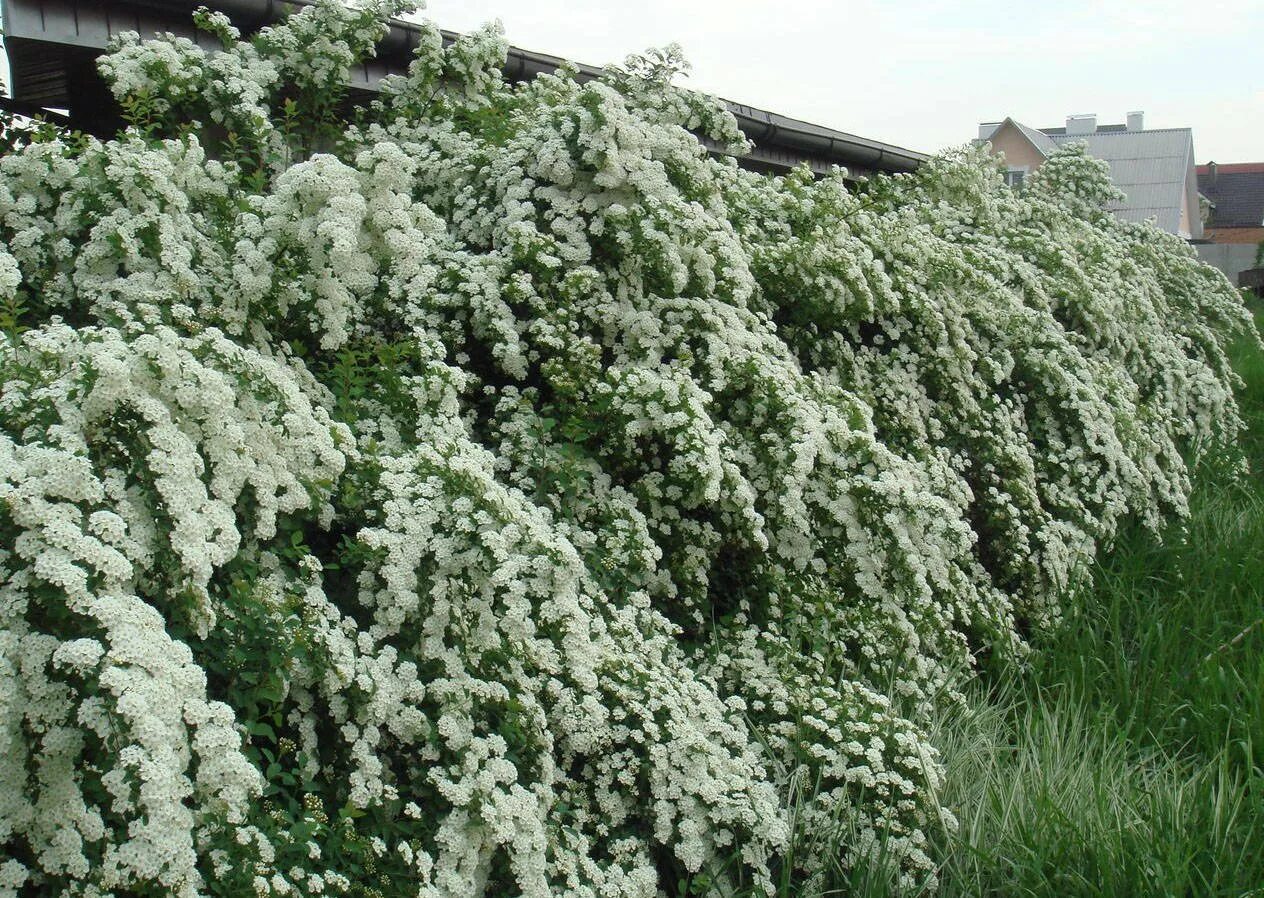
[1152, 167]
[52, 45]
[1042, 142]
[1062, 130]
[1236, 192]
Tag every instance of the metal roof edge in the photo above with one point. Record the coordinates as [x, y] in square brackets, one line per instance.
[781, 141]
[1061, 132]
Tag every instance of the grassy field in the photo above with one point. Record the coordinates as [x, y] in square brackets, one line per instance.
[1128, 758]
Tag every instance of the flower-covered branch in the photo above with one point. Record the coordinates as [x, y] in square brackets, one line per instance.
[488, 491]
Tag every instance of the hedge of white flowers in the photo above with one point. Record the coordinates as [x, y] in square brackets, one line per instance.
[486, 491]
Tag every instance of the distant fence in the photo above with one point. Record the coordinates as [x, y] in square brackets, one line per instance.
[1253, 278]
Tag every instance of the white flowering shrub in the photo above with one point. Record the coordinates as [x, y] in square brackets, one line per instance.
[489, 492]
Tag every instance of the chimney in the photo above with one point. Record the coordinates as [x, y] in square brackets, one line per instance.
[1082, 124]
[1136, 121]
[1211, 172]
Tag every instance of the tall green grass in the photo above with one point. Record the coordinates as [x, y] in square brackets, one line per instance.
[1055, 799]
[1127, 757]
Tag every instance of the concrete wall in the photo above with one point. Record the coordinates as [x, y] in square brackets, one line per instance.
[1228, 257]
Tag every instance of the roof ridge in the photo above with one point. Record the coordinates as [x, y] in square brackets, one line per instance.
[1061, 132]
[1232, 168]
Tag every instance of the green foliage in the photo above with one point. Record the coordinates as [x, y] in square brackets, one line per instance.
[11, 312]
[1125, 758]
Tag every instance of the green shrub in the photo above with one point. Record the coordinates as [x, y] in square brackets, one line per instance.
[497, 494]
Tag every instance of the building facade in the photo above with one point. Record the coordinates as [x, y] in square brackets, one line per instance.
[1234, 232]
[1153, 167]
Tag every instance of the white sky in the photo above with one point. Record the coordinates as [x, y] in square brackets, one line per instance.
[922, 74]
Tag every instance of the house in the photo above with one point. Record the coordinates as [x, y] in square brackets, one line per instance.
[53, 44]
[1153, 167]
[1235, 192]
[1235, 219]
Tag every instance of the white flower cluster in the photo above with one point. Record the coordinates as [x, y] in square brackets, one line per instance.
[123, 465]
[503, 496]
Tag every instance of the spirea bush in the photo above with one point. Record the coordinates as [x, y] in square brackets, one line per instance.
[486, 491]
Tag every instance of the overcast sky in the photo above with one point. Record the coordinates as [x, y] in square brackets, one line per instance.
[923, 74]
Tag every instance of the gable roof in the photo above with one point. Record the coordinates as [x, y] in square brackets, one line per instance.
[1151, 167]
[1038, 140]
[1237, 190]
